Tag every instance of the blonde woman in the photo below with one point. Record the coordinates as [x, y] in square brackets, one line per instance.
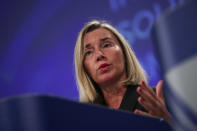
[109, 74]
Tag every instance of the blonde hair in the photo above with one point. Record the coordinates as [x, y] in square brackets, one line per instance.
[86, 87]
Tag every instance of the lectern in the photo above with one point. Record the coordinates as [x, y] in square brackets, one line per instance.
[35, 112]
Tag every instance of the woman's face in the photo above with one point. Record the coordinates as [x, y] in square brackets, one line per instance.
[103, 57]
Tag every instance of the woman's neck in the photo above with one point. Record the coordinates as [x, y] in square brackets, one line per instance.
[113, 94]
[114, 90]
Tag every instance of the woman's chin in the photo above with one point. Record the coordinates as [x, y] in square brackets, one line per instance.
[107, 78]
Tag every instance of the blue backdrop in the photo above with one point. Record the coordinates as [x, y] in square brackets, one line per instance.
[38, 37]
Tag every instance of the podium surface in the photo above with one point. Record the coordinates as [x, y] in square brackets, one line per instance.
[51, 113]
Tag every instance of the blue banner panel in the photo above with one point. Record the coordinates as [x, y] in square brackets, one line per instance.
[38, 38]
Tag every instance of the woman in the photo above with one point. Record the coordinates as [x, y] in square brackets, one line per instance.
[108, 73]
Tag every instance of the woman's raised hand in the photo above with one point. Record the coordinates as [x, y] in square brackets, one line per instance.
[153, 102]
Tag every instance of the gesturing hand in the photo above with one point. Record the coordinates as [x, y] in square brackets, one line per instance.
[153, 102]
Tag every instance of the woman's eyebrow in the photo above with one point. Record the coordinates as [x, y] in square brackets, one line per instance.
[87, 46]
[105, 38]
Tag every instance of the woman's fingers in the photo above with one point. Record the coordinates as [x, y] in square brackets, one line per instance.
[153, 102]
[145, 87]
[159, 90]
[149, 106]
[144, 113]
[146, 100]
[150, 100]
[141, 112]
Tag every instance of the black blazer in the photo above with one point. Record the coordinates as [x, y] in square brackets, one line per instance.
[129, 101]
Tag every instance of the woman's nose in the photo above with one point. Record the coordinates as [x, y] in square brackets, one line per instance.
[99, 55]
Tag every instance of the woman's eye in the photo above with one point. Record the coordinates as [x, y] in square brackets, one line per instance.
[107, 45]
[88, 53]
